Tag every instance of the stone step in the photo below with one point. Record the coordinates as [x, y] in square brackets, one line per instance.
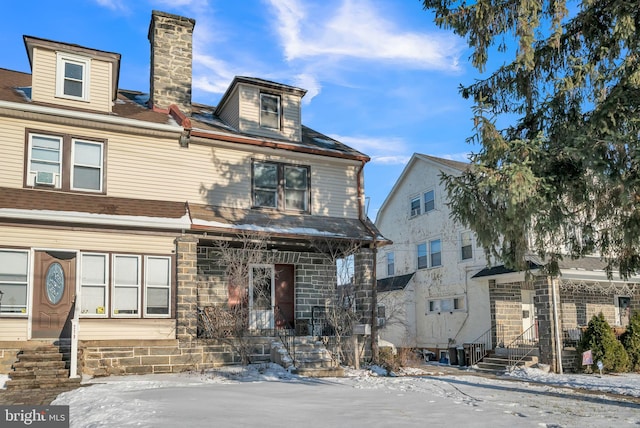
[23, 384]
[39, 373]
[29, 365]
[39, 356]
[320, 372]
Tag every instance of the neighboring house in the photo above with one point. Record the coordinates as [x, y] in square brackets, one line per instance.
[425, 275]
[435, 268]
[114, 203]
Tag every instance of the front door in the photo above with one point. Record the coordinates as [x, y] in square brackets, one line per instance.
[261, 297]
[53, 294]
[529, 314]
[285, 296]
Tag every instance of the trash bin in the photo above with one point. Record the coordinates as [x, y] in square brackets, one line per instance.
[461, 356]
[453, 356]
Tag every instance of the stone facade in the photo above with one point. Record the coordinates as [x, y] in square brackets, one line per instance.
[171, 60]
[505, 300]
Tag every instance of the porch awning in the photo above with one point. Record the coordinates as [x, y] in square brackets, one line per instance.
[394, 283]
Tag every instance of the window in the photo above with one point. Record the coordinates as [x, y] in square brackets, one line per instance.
[466, 246]
[448, 304]
[269, 111]
[157, 286]
[14, 268]
[279, 186]
[415, 206]
[429, 201]
[64, 162]
[126, 285]
[72, 80]
[391, 264]
[381, 316]
[435, 253]
[94, 285]
[422, 256]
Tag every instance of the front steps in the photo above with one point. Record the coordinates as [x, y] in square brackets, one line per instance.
[42, 367]
[499, 363]
[312, 359]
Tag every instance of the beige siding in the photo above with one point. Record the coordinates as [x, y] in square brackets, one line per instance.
[291, 120]
[19, 236]
[250, 115]
[44, 82]
[13, 329]
[111, 329]
[219, 175]
[231, 111]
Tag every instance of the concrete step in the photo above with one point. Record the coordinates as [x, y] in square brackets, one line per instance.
[320, 372]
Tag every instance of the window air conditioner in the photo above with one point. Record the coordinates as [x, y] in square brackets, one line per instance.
[46, 178]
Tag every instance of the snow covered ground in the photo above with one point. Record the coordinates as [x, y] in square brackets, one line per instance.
[269, 396]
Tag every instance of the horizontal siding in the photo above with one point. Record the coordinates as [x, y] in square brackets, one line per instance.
[12, 158]
[19, 236]
[111, 329]
[291, 117]
[231, 111]
[13, 329]
[44, 82]
[334, 190]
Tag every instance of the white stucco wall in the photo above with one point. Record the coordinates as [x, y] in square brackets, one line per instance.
[450, 280]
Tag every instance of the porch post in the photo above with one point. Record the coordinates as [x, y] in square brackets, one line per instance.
[546, 307]
[363, 270]
[186, 292]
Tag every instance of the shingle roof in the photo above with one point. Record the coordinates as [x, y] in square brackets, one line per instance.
[460, 166]
[394, 283]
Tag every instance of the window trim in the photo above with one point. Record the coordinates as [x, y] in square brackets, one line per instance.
[62, 59]
[432, 253]
[431, 307]
[280, 189]
[461, 247]
[65, 180]
[106, 286]
[28, 285]
[73, 164]
[147, 286]
[139, 286]
[424, 200]
[391, 263]
[278, 112]
[415, 212]
[425, 265]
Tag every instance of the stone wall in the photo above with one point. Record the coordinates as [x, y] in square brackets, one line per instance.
[506, 311]
[578, 307]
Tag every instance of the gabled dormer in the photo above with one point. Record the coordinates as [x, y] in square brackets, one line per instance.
[263, 108]
[71, 75]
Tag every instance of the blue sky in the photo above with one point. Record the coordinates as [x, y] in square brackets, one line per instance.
[380, 76]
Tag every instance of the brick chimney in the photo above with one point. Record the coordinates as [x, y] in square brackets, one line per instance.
[171, 57]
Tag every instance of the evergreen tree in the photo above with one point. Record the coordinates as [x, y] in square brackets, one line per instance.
[631, 341]
[604, 346]
[567, 169]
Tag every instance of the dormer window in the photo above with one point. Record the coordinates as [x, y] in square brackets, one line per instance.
[270, 111]
[72, 77]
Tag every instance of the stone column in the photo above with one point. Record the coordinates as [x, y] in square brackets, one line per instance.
[187, 286]
[363, 270]
[543, 286]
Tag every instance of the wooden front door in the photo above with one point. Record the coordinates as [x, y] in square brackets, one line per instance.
[53, 294]
[285, 296]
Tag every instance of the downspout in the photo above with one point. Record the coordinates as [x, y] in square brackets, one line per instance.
[556, 330]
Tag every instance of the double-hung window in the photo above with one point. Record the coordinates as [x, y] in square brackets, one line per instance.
[422, 256]
[94, 280]
[65, 162]
[270, 111]
[126, 285]
[435, 253]
[157, 286]
[72, 78]
[415, 206]
[280, 186]
[391, 264]
[429, 201]
[466, 246]
[14, 271]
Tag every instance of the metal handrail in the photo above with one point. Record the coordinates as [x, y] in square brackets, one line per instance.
[480, 347]
[522, 346]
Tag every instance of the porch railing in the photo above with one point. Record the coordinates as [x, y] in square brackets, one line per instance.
[522, 346]
[480, 347]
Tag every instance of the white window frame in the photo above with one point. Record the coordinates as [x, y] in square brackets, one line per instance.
[73, 165]
[462, 246]
[278, 112]
[431, 253]
[105, 312]
[457, 303]
[424, 200]
[147, 286]
[414, 212]
[391, 263]
[426, 255]
[27, 284]
[258, 316]
[115, 286]
[63, 58]
[31, 175]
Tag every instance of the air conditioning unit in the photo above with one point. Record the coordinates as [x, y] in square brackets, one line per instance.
[381, 322]
[45, 178]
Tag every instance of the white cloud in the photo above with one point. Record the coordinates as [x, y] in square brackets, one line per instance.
[310, 83]
[388, 151]
[113, 4]
[358, 30]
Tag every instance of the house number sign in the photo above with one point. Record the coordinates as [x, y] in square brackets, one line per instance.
[54, 283]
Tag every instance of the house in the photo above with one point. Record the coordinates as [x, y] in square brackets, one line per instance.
[115, 206]
[449, 295]
[425, 277]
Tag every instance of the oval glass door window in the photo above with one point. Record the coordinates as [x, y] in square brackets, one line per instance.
[54, 283]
